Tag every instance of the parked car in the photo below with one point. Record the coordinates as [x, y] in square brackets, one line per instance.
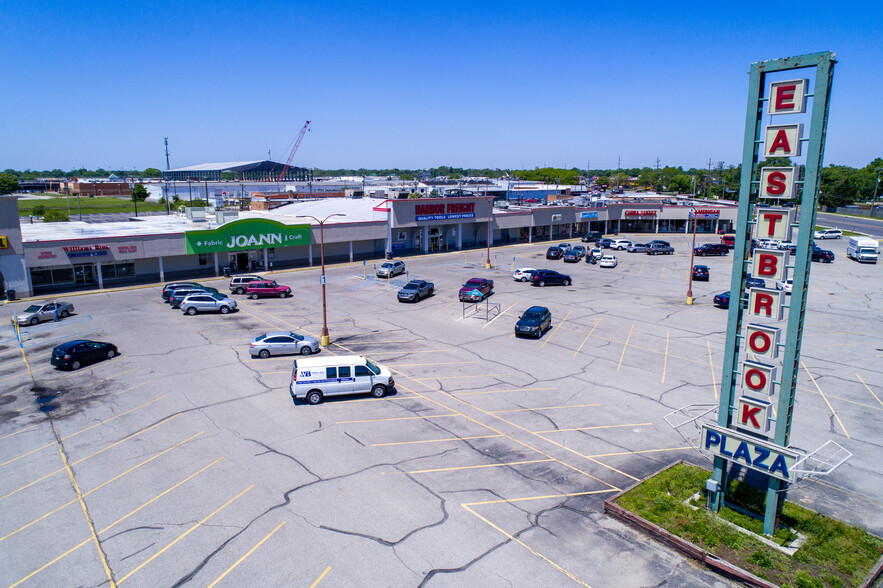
[620, 244]
[660, 249]
[476, 289]
[785, 285]
[752, 282]
[564, 248]
[638, 248]
[591, 237]
[314, 378]
[819, 254]
[390, 269]
[553, 253]
[729, 241]
[207, 303]
[261, 288]
[828, 234]
[75, 354]
[416, 290]
[571, 256]
[180, 294]
[595, 255]
[580, 250]
[786, 244]
[238, 284]
[609, 261]
[522, 274]
[282, 343]
[535, 321]
[722, 300]
[660, 241]
[545, 277]
[169, 289]
[700, 273]
[46, 311]
[767, 244]
[605, 242]
[711, 249]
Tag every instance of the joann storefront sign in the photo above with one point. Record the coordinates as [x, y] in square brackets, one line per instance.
[245, 234]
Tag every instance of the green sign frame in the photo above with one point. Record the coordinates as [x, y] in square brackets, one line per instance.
[247, 234]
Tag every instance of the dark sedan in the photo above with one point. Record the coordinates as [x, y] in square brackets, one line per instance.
[548, 277]
[74, 354]
[752, 282]
[605, 242]
[722, 300]
[416, 290]
[553, 253]
[535, 321]
[819, 254]
[572, 256]
[180, 294]
[700, 273]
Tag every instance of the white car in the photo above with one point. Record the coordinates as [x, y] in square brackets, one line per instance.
[785, 285]
[828, 234]
[768, 244]
[522, 274]
[609, 261]
[783, 245]
[620, 244]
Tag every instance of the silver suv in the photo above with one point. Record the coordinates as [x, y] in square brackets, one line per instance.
[207, 303]
[391, 269]
[238, 284]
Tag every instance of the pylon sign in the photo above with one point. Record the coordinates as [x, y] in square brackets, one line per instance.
[761, 359]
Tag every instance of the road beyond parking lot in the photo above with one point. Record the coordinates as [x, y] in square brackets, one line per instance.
[185, 461]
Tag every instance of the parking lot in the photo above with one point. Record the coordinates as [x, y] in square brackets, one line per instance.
[185, 460]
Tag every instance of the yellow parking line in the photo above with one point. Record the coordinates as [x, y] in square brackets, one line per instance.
[382, 342]
[642, 268]
[91, 455]
[116, 522]
[400, 351]
[500, 391]
[18, 432]
[187, 532]
[249, 552]
[831, 408]
[472, 467]
[526, 498]
[436, 440]
[501, 314]
[319, 579]
[869, 389]
[462, 377]
[642, 451]
[626, 346]
[410, 418]
[665, 362]
[542, 408]
[555, 330]
[592, 428]
[859, 496]
[425, 364]
[711, 364]
[80, 431]
[865, 343]
[598, 320]
[442, 308]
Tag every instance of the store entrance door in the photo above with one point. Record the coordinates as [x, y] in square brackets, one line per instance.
[242, 262]
[84, 275]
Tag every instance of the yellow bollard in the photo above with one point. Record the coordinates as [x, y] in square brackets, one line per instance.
[689, 300]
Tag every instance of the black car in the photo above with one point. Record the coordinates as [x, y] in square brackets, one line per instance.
[752, 282]
[722, 300]
[572, 256]
[548, 277]
[591, 237]
[605, 242]
[75, 354]
[660, 241]
[172, 288]
[553, 253]
[416, 290]
[711, 249]
[178, 295]
[819, 254]
[535, 321]
[700, 273]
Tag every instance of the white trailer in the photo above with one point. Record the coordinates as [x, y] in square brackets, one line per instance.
[862, 249]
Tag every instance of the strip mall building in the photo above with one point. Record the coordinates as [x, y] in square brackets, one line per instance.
[41, 258]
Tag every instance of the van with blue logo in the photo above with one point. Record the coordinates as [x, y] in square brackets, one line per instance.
[314, 378]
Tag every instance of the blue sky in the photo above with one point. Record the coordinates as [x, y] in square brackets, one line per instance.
[416, 85]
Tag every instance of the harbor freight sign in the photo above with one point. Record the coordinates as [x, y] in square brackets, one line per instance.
[245, 234]
[750, 452]
[449, 211]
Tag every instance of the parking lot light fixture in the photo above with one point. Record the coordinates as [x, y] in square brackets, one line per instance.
[326, 338]
[692, 254]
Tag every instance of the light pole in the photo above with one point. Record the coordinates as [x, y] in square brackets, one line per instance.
[326, 339]
[877, 185]
[490, 233]
[692, 253]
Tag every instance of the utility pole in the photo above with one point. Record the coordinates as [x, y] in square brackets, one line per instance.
[657, 174]
[166, 141]
[618, 165]
[708, 181]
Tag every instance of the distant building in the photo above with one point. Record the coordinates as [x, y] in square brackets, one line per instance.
[242, 170]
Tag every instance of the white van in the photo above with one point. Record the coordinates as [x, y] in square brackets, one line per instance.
[862, 249]
[314, 378]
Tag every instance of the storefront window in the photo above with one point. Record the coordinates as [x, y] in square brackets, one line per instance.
[117, 270]
[47, 276]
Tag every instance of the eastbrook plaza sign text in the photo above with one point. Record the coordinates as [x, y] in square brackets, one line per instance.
[245, 234]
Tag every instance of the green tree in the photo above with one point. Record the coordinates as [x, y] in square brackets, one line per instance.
[151, 172]
[55, 216]
[8, 183]
[38, 210]
[842, 193]
[679, 184]
[139, 193]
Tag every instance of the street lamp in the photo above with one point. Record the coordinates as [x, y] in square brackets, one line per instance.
[326, 340]
[877, 185]
[692, 253]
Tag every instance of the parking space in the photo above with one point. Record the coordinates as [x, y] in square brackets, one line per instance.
[185, 459]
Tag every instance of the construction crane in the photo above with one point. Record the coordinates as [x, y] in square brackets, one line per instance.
[300, 137]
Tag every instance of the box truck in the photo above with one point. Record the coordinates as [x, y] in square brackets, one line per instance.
[862, 249]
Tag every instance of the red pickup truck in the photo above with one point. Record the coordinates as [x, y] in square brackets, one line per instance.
[476, 289]
[266, 288]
